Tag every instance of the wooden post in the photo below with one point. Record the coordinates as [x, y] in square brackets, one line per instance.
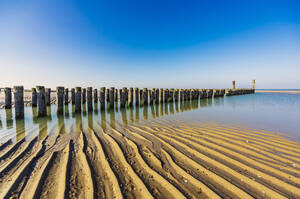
[145, 96]
[60, 100]
[126, 95]
[66, 96]
[233, 84]
[33, 97]
[107, 95]
[78, 99]
[102, 97]
[152, 95]
[141, 96]
[176, 95]
[83, 95]
[166, 97]
[253, 84]
[112, 97]
[130, 97]
[136, 92]
[157, 96]
[171, 95]
[116, 96]
[47, 92]
[89, 97]
[73, 95]
[7, 92]
[19, 101]
[95, 93]
[161, 94]
[41, 101]
[122, 97]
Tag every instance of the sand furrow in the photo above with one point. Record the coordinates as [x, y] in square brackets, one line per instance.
[131, 184]
[226, 188]
[258, 175]
[51, 181]
[108, 186]
[251, 144]
[236, 154]
[5, 145]
[10, 151]
[160, 188]
[79, 179]
[282, 148]
[19, 174]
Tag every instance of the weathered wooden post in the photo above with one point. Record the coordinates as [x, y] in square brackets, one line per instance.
[176, 95]
[89, 97]
[166, 97]
[95, 94]
[122, 98]
[7, 92]
[107, 95]
[41, 101]
[83, 95]
[233, 84]
[126, 94]
[181, 94]
[157, 96]
[33, 97]
[47, 93]
[161, 94]
[145, 96]
[19, 101]
[112, 97]
[116, 96]
[141, 96]
[60, 100]
[171, 95]
[77, 99]
[66, 96]
[253, 84]
[136, 92]
[130, 97]
[152, 95]
[73, 95]
[102, 97]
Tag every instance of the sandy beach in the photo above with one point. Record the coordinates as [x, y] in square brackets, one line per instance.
[153, 159]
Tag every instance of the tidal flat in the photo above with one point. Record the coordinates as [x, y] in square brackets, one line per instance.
[230, 147]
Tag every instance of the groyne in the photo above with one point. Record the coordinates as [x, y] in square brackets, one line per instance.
[127, 97]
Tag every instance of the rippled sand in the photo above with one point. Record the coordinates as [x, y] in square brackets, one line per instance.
[151, 159]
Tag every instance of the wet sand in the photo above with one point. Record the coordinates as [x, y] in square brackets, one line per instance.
[151, 159]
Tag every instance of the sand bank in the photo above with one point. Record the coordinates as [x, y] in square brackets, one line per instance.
[154, 159]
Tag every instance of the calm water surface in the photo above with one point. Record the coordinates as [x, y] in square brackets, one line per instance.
[268, 111]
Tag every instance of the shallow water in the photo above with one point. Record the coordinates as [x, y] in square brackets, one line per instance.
[268, 111]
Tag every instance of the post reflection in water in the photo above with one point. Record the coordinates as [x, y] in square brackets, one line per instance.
[90, 120]
[112, 119]
[145, 112]
[171, 108]
[103, 119]
[137, 113]
[78, 119]
[131, 120]
[161, 109]
[61, 124]
[124, 116]
[42, 124]
[152, 111]
[67, 113]
[157, 110]
[166, 108]
[20, 129]
[9, 119]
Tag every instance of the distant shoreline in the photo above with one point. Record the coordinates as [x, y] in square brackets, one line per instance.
[278, 91]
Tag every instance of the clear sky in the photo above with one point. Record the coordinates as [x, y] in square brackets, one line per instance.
[150, 43]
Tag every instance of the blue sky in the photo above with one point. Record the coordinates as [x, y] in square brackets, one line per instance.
[153, 43]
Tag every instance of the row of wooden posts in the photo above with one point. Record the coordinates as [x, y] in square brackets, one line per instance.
[127, 97]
